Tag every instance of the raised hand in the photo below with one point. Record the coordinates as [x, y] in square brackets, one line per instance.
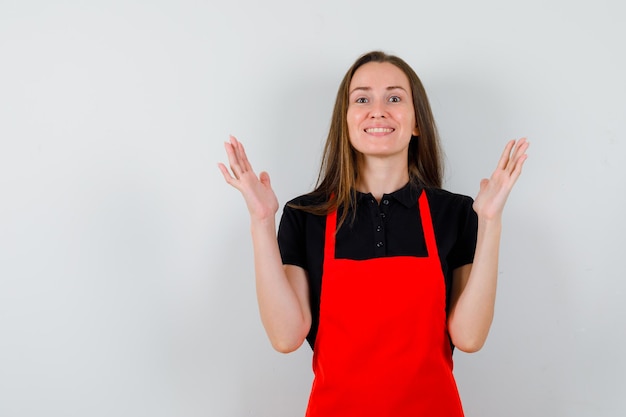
[257, 191]
[491, 198]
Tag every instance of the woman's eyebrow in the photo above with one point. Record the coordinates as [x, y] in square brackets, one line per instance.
[392, 87]
[396, 87]
[360, 89]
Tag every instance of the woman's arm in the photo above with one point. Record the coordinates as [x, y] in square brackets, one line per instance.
[473, 292]
[282, 291]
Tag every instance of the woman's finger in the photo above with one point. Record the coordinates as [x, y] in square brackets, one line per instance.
[519, 156]
[245, 164]
[229, 178]
[513, 151]
[519, 163]
[514, 169]
[240, 153]
[506, 155]
[520, 148]
[233, 160]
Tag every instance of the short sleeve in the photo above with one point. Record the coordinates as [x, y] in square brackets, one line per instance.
[292, 237]
[462, 252]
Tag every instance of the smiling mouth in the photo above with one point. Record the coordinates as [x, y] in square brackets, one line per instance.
[379, 130]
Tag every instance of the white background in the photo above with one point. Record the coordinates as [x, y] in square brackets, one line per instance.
[126, 276]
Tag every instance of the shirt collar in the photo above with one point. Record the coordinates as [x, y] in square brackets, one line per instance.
[407, 195]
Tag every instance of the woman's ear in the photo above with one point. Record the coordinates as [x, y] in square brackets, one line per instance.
[416, 131]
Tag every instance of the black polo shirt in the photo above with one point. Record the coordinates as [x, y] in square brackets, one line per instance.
[389, 228]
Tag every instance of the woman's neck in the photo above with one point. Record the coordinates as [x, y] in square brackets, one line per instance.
[380, 177]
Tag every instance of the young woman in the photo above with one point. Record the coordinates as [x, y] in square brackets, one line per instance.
[381, 270]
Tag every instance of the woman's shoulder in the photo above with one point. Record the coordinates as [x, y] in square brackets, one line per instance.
[443, 194]
[297, 215]
[442, 200]
[305, 200]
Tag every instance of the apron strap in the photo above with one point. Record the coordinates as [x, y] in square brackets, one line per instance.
[427, 226]
[329, 245]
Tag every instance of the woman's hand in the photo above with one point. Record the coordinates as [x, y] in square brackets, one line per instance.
[473, 294]
[491, 198]
[257, 191]
[282, 291]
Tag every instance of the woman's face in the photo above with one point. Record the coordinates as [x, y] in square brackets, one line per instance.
[380, 117]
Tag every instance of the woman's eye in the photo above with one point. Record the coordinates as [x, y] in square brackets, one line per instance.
[361, 100]
[394, 99]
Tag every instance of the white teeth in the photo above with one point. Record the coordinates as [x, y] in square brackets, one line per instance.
[379, 130]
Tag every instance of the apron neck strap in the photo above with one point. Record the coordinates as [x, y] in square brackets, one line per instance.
[427, 226]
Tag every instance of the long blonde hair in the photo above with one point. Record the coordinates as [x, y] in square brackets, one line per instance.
[339, 169]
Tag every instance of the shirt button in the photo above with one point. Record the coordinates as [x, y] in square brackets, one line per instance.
[379, 245]
[385, 202]
[382, 215]
[378, 228]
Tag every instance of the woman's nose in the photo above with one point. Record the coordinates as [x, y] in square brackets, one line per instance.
[377, 110]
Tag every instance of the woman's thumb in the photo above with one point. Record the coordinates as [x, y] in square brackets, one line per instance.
[264, 177]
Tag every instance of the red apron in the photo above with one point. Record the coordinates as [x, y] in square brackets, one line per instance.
[382, 347]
